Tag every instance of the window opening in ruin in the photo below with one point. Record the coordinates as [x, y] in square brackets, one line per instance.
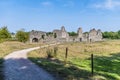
[43, 36]
[34, 40]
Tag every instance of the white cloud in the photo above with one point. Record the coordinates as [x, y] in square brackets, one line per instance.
[108, 4]
[46, 4]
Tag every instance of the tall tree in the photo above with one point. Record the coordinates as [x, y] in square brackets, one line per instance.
[22, 36]
[111, 35]
[4, 33]
[72, 33]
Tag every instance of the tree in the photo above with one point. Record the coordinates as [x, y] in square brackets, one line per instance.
[111, 35]
[4, 33]
[22, 36]
[119, 32]
[49, 33]
[72, 33]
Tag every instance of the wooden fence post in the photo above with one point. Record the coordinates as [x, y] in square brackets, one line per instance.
[92, 65]
[66, 55]
[55, 51]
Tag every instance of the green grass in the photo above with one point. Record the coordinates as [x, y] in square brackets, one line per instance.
[78, 67]
[61, 71]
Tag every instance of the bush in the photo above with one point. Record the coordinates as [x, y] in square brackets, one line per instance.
[4, 34]
[55, 51]
[52, 53]
[72, 33]
[22, 36]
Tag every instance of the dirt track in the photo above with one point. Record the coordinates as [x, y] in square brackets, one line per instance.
[18, 67]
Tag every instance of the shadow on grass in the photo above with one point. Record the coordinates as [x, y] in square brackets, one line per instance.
[62, 71]
[105, 68]
[108, 67]
[1, 69]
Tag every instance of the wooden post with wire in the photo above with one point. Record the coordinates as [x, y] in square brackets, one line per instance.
[92, 65]
[55, 51]
[66, 55]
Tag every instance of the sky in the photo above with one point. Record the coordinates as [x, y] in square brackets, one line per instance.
[47, 15]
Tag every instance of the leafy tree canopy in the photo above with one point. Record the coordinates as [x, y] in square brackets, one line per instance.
[22, 36]
[111, 35]
[72, 33]
[4, 33]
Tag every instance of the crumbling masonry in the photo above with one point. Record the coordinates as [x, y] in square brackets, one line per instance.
[63, 36]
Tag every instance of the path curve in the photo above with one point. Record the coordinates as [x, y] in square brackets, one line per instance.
[18, 67]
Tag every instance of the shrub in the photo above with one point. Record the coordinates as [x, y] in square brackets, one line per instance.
[52, 53]
[55, 51]
[22, 36]
[49, 53]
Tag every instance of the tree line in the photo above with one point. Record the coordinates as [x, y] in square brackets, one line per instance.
[6, 35]
[111, 35]
[23, 36]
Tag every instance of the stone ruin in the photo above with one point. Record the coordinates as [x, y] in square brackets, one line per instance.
[63, 36]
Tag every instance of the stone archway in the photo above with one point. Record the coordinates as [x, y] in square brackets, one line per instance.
[35, 40]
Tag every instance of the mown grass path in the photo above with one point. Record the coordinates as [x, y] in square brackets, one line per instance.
[18, 67]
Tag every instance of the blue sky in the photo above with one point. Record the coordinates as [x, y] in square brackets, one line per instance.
[46, 15]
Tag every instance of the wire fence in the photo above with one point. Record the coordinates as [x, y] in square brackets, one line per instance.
[65, 54]
[79, 57]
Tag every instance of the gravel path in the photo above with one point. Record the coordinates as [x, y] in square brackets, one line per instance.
[18, 67]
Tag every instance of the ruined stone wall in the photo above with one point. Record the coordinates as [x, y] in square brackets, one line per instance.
[57, 33]
[92, 35]
[80, 33]
[36, 36]
[62, 36]
[99, 35]
[95, 35]
[85, 37]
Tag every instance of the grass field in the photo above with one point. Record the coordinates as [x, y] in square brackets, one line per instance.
[78, 67]
[10, 46]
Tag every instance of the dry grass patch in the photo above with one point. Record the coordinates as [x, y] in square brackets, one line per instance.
[10, 46]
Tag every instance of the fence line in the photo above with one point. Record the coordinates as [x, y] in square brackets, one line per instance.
[65, 51]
